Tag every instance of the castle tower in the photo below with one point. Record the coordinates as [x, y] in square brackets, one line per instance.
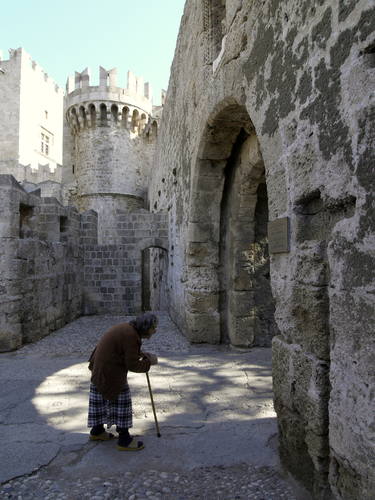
[107, 147]
[31, 125]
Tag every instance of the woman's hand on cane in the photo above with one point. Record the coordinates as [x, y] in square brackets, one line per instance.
[151, 357]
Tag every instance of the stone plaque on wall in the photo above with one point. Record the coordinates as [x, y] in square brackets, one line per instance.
[278, 235]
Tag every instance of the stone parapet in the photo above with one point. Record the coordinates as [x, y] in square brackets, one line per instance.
[137, 93]
[40, 265]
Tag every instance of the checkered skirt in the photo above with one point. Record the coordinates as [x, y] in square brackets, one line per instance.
[111, 412]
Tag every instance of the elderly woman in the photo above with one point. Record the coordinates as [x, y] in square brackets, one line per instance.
[118, 351]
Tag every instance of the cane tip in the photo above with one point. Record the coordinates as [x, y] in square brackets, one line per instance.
[159, 435]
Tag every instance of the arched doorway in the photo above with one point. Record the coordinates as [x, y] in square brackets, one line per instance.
[229, 294]
[154, 279]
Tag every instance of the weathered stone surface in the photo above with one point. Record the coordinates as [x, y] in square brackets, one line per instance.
[199, 301]
[241, 302]
[40, 266]
[241, 329]
[291, 78]
[203, 326]
[300, 384]
[202, 254]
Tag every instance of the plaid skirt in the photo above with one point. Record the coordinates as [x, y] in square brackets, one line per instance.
[111, 412]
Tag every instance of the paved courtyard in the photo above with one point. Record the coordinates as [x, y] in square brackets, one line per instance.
[214, 406]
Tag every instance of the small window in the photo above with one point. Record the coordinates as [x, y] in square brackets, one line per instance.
[26, 218]
[103, 114]
[63, 224]
[63, 228]
[45, 143]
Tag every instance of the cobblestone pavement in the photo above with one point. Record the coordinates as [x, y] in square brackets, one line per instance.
[239, 482]
[214, 407]
[80, 337]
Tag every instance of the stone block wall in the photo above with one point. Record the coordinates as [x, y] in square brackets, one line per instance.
[303, 74]
[113, 273]
[40, 267]
[111, 210]
[52, 268]
[25, 173]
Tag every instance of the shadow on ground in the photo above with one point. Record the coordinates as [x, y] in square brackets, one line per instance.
[214, 408]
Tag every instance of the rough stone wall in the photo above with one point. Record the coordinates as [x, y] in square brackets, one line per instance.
[53, 269]
[25, 173]
[41, 265]
[108, 206]
[108, 160]
[113, 273]
[47, 189]
[158, 272]
[10, 81]
[50, 189]
[297, 76]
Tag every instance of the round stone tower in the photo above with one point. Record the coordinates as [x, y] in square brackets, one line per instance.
[108, 148]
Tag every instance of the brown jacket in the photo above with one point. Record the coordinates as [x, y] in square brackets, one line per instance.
[118, 351]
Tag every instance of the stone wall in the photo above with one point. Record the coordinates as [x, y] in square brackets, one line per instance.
[113, 274]
[155, 262]
[294, 78]
[52, 268]
[41, 265]
[27, 174]
[10, 82]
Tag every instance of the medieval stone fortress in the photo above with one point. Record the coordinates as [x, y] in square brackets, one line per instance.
[244, 206]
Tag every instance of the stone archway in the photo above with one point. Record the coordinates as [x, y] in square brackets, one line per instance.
[228, 291]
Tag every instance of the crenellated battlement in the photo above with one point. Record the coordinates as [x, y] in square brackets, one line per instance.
[111, 141]
[106, 105]
[135, 88]
[20, 56]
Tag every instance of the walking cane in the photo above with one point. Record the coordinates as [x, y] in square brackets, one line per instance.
[153, 406]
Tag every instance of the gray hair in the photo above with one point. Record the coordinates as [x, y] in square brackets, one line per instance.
[144, 322]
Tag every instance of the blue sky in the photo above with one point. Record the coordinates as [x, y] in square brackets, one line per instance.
[66, 36]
